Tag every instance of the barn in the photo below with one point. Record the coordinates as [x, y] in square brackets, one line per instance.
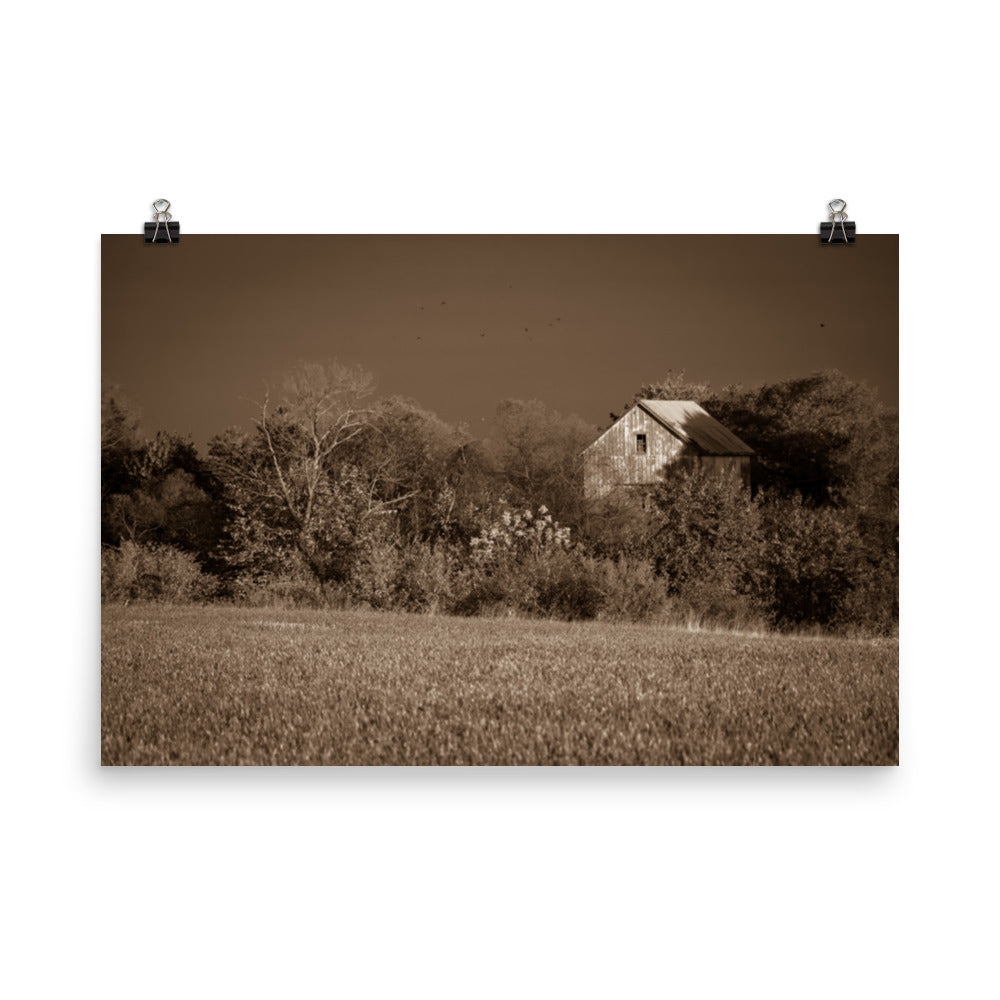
[658, 433]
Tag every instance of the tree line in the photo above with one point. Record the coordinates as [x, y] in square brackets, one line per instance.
[334, 497]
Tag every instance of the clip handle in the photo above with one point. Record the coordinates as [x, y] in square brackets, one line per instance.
[162, 217]
[837, 216]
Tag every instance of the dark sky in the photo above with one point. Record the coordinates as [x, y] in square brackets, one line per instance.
[191, 332]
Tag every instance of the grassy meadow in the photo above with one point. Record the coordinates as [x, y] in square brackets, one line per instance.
[228, 685]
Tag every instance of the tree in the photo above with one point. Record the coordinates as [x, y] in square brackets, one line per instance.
[823, 435]
[120, 440]
[289, 484]
[828, 440]
[621, 524]
[404, 452]
[814, 562]
[707, 533]
[539, 459]
[673, 385]
[154, 491]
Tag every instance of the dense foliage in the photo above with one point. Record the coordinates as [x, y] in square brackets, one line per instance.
[333, 498]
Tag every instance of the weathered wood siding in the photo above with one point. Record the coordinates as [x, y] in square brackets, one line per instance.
[727, 465]
[612, 460]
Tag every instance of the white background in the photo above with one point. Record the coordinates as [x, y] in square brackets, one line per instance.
[514, 117]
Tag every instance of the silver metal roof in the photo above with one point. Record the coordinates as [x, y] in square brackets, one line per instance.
[694, 425]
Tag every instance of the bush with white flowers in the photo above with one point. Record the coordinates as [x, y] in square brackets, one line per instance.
[519, 532]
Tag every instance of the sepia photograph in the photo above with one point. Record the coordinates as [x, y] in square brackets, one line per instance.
[499, 500]
[503, 587]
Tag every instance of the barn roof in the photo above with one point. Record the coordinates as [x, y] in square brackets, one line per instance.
[694, 425]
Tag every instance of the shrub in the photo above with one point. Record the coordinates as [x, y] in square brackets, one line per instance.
[549, 584]
[622, 524]
[708, 533]
[477, 595]
[521, 562]
[630, 589]
[563, 585]
[518, 533]
[481, 589]
[814, 559]
[872, 602]
[285, 590]
[426, 577]
[372, 579]
[709, 603]
[152, 572]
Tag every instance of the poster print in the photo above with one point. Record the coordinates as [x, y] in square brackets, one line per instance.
[499, 500]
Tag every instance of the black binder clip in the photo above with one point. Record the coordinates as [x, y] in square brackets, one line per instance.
[838, 217]
[162, 230]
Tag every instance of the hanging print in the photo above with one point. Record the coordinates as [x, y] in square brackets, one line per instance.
[499, 500]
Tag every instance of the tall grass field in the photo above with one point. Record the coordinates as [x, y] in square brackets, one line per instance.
[225, 685]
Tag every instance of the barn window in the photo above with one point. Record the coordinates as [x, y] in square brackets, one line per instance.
[640, 444]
